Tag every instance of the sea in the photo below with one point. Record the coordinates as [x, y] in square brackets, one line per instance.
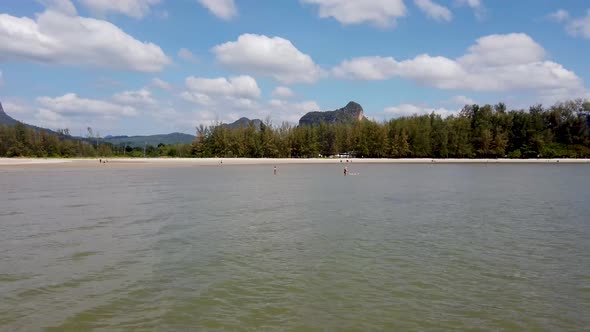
[396, 247]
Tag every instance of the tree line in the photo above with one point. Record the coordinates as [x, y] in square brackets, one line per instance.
[21, 140]
[562, 130]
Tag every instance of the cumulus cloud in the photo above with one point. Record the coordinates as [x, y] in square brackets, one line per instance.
[236, 87]
[476, 5]
[224, 9]
[51, 119]
[139, 98]
[281, 92]
[17, 107]
[462, 101]
[580, 27]
[227, 99]
[494, 63]
[411, 109]
[62, 6]
[73, 105]
[275, 57]
[187, 55]
[132, 8]
[382, 13]
[288, 111]
[560, 15]
[161, 84]
[434, 10]
[57, 38]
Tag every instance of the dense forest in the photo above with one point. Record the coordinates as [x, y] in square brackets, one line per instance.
[476, 132]
[21, 140]
[562, 130]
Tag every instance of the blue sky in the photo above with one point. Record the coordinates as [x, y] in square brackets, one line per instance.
[157, 66]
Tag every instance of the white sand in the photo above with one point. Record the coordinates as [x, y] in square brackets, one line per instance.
[268, 161]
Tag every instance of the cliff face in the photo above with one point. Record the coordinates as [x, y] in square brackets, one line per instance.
[349, 113]
[244, 123]
[5, 119]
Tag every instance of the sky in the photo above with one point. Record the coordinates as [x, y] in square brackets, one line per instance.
[132, 67]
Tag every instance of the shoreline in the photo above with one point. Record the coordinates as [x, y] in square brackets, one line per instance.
[57, 162]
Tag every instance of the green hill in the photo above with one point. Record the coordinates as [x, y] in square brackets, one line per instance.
[154, 140]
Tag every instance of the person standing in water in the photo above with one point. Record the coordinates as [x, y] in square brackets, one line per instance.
[345, 170]
[275, 170]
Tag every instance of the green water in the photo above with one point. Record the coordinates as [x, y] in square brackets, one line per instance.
[397, 247]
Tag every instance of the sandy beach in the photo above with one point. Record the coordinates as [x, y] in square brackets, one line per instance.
[139, 162]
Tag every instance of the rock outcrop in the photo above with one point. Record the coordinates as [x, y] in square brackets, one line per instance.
[349, 113]
[244, 123]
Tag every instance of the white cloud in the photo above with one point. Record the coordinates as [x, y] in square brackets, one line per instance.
[236, 87]
[132, 8]
[423, 68]
[476, 5]
[62, 6]
[580, 27]
[139, 98]
[434, 10]
[462, 101]
[51, 119]
[226, 100]
[187, 55]
[185, 120]
[197, 98]
[224, 9]
[275, 57]
[281, 110]
[382, 13]
[503, 50]
[55, 38]
[161, 84]
[71, 104]
[560, 15]
[494, 63]
[17, 107]
[367, 68]
[411, 109]
[282, 92]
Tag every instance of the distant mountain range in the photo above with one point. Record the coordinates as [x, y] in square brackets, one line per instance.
[139, 141]
[349, 113]
[243, 123]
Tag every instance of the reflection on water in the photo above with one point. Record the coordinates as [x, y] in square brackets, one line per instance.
[399, 247]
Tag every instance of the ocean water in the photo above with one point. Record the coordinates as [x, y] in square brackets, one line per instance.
[394, 247]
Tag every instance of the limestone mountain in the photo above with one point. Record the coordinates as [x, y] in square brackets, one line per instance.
[244, 123]
[349, 113]
[5, 119]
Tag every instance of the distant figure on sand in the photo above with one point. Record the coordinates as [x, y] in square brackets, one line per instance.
[345, 170]
[275, 170]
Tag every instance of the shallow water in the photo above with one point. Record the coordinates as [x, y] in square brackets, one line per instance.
[397, 247]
